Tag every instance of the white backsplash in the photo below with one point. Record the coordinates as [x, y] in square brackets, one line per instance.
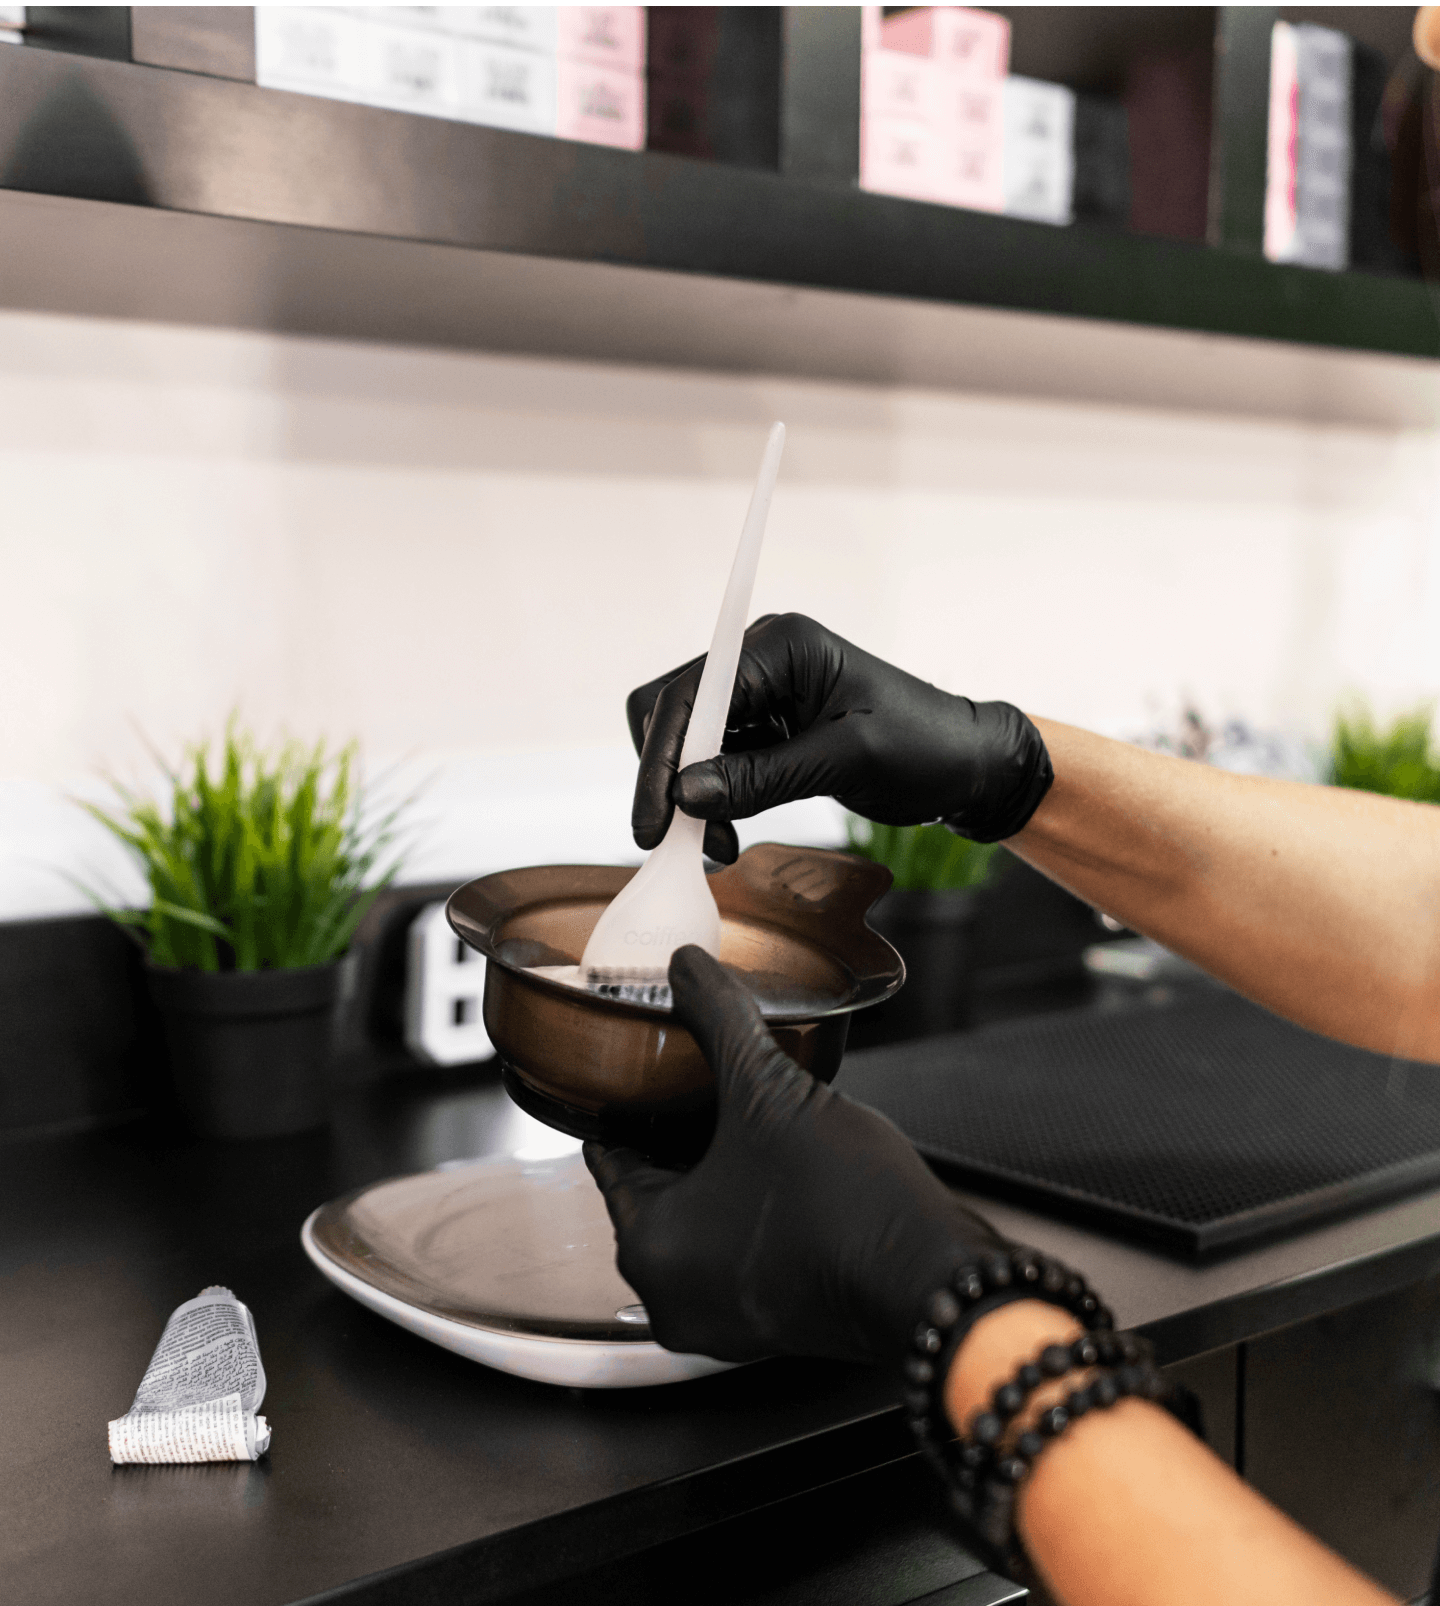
[467, 561]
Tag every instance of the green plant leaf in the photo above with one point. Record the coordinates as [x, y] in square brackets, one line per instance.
[1396, 761]
[263, 860]
[925, 858]
[190, 917]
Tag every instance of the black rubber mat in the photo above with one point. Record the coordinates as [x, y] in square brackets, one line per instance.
[1207, 1124]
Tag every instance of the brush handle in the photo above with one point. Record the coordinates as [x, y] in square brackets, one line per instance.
[706, 729]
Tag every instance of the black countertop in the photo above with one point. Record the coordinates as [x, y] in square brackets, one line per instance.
[402, 1472]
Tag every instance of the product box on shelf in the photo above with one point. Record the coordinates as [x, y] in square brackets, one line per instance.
[932, 105]
[506, 87]
[600, 105]
[607, 36]
[972, 126]
[974, 44]
[520, 27]
[960, 39]
[894, 83]
[971, 172]
[1039, 142]
[1309, 148]
[900, 158]
[575, 72]
[941, 121]
[316, 50]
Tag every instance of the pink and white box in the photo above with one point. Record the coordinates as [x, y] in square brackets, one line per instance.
[972, 138]
[932, 106]
[606, 36]
[600, 75]
[899, 157]
[599, 105]
[957, 38]
[971, 176]
[894, 83]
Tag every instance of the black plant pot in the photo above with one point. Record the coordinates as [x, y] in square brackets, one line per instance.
[931, 931]
[249, 1049]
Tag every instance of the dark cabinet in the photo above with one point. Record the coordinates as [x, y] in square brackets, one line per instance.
[1340, 1427]
[1213, 1379]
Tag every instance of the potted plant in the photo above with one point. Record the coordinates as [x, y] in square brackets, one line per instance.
[926, 915]
[259, 875]
[1396, 762]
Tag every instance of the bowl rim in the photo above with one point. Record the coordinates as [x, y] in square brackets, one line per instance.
[477, 909]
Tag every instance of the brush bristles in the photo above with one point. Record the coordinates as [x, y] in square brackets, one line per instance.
[629, 986]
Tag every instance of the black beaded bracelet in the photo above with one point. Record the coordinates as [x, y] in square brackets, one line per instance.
[1117, 1352]
[966, 1463]
[987, 1506]
[976, 1288]
[1010, 1398]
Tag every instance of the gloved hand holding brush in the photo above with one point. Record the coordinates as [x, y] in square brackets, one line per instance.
[813, 716]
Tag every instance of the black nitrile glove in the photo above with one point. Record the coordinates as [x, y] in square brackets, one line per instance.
[810, 1227]
[812, 716]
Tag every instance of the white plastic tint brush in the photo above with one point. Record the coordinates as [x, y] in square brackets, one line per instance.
[667, 904]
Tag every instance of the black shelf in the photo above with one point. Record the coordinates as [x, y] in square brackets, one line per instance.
[188, 145]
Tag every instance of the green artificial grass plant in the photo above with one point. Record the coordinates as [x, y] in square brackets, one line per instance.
[263, 865]
[1396, 761]
[923, 858]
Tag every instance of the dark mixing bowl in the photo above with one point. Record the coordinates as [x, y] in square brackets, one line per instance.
[792, 928]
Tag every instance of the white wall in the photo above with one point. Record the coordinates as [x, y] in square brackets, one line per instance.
[467, 561]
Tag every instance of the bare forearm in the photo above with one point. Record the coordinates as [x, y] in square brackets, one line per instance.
[1126, 1509]
[1320, 903]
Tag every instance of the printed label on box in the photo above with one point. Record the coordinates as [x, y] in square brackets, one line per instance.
[1039, 185]
[1038, 113]
[971, 176]
[899, 158]
[523, 27]
[482, 64]
[508, 88]
[609, 36]
[897, 85]
[600, 106]
[1280, 156]
[1323, 147]
[974, 43]
[409, 70]
[971, 112]
[310, 48]
[323, 51]
[1039, 156]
